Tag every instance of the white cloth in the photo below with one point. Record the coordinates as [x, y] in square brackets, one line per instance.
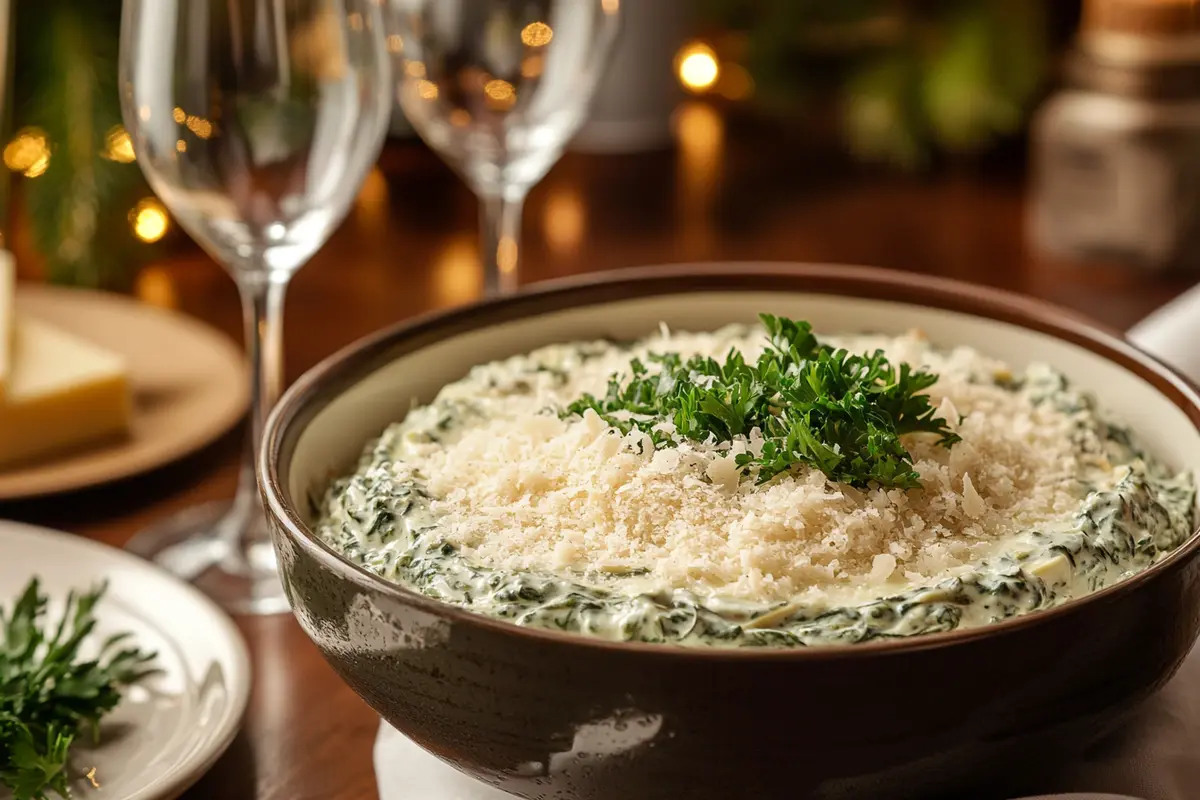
[406, 772]
[1155, 757]
[1173, 333]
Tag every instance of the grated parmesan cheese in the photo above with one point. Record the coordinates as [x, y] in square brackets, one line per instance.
[518, 488]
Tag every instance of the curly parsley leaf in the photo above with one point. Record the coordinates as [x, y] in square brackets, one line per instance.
[833, 410]
[49, 691]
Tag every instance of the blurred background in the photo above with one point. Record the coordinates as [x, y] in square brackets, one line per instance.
[1039, 146]
[1048, 147]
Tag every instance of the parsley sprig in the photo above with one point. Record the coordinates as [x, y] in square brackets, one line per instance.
[49, 692]
[836, 411]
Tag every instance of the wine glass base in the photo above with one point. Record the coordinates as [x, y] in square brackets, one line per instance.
[194, 545]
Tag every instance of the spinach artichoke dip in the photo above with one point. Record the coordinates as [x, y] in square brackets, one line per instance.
[756, 486]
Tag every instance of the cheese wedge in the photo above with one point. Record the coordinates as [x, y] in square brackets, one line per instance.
[8, 288]
[63, 392]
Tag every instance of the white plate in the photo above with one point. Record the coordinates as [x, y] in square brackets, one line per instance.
[169, 730]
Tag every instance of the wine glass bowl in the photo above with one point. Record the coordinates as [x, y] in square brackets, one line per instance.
[255, 122]
[497, 89]
[256, 147]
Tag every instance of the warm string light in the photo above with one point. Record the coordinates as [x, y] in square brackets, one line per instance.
[118, 146]
[700, 71]
[501, 94]
[427, 90]
[149, 220]
[28, 152]
[697, 67]
[537, 34]
[199, 126]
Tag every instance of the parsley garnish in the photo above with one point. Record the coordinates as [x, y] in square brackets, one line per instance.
[48, 693]
[838, 412]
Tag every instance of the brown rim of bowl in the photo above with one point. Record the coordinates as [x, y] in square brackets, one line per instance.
[328, 379]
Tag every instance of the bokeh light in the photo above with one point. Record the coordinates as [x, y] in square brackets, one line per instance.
[735, 82]
[697, 67]
[537, 34]
[28, 152]
[564, 220]
[457, 275]
[500, 94]
[155, 287]
[150, 221]
[118, 145]
[199, 126]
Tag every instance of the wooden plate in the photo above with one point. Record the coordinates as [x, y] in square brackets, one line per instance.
[189, 384]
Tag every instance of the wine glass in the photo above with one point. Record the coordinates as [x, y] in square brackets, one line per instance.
[497, 88]
[255, 122]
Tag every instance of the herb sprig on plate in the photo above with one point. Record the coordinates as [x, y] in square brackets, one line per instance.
[50, 692]
[836, 411]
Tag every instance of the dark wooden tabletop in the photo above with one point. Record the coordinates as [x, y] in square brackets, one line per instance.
[727, 192]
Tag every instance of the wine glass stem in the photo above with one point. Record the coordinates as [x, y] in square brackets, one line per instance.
[500, 228]
[262, 313]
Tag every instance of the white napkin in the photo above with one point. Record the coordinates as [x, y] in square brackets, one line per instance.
[1155, 757]
[1173, 333]
[406, 772]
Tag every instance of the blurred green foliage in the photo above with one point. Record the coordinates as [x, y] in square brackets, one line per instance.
[65, 83]
[909, 79]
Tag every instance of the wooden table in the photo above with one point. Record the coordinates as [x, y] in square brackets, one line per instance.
[727, 193]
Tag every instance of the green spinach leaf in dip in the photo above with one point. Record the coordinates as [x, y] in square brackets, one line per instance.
[1126, 510]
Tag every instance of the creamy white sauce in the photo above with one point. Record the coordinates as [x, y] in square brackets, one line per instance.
[1126, 512]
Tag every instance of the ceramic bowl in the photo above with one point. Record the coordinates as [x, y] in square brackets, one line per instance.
[552, 715]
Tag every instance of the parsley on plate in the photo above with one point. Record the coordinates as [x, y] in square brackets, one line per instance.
[50, 692]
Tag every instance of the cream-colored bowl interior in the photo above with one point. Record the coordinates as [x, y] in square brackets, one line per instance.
[333, 441]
